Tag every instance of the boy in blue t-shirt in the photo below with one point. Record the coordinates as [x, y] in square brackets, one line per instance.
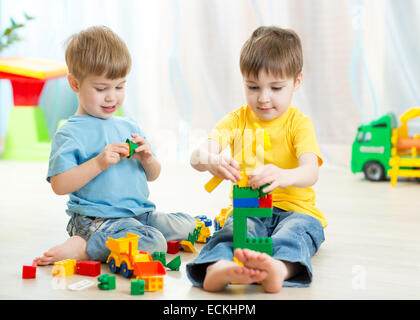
[108, 192]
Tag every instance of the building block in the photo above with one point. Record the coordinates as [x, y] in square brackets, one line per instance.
[64, 268]
[173, 246]
[160, 256]
[266, 202]
[246, 203]
[212, 184]
[106, 282]
[131, 147]
[81, 285]
[246, 192]
[88, 268]
[137, 287]
[175, 263]
[187, 246]
[29, 271]
[244, 181]
[203, 218]
[153, 283]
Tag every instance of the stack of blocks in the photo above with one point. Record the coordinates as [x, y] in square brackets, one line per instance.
[248, 202]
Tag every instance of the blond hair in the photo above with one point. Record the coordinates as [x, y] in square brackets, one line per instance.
[98, 51]
[274, 50]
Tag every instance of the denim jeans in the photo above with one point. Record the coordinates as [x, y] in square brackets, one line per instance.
[296, 238]
[154, 228]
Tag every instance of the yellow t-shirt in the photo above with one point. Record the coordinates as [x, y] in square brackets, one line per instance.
[291, 135]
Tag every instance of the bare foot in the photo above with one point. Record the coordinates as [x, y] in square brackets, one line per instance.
[72, 248]
[277, 270]
[222, 272]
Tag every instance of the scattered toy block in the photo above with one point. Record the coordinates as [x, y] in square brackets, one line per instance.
[88, 268]
[81, 285]
[173, 246]
[64, 268]
[187, 246]
[160, 256]
[131, 147]
[137, 287]
[153, 283]
[106, 282]
[175, 263]
[29, 271]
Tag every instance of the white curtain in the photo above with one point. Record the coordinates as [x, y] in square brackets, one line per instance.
[361, 61]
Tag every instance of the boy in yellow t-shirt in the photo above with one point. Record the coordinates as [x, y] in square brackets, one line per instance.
[271, 65]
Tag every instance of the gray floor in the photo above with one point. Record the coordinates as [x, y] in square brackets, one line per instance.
[372, 248]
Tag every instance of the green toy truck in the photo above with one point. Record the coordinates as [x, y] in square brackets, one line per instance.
[371, 148]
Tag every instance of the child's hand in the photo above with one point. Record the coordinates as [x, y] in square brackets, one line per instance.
[223, 166]
[143, 152]
[275, 176]
[111, 154]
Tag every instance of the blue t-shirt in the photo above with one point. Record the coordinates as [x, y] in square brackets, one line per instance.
[119, 191]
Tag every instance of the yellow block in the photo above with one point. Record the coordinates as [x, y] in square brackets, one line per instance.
[152, 283]
[64, 268]
[212, 184]
[33, 68]
[187, 246]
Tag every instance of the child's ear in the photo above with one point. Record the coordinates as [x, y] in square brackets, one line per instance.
[298, 81]
[73, 82]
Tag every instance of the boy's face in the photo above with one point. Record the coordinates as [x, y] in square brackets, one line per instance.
[269, 96]
[98, 96]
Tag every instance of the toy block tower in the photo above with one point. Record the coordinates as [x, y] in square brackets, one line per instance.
[248, 202]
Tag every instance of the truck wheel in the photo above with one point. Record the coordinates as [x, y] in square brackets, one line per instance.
[374, 171]
[112, 266]
[125, 272]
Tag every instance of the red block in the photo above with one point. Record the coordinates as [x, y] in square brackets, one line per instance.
[88, 268]
[29, 271]
[173, 246]
[267, 201]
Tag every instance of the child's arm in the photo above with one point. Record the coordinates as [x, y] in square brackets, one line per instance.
[305, 175]
[207, 157]
[77, 177]
[144, 154]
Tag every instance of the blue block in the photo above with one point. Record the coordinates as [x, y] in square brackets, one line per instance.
[246, 203]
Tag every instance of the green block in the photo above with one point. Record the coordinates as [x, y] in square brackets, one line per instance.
[132, 147]
[27, 135]
[175, 263]
[261, 244]
[240, 230]
[252, 212]
[160, 256]
[137, 287]
[246, 192]
[106, 282]
[261, 193]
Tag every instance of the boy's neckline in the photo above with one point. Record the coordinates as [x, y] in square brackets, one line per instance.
[89, 116]
[266, 123]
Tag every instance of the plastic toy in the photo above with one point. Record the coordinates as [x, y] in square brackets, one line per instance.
[131, 147]
[175, 263]
[173, 246]
[187, 246]
[29, 271]
[220, 220]
[27, 135]
[240, 215]
[153, 283]
[380, 149]
[64, 268]
[124, 254]
[81, 285]
[137, 287]
[160, 256]
[88, 268]
[106, 282]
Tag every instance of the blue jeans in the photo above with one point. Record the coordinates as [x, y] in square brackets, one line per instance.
[296, 238]
[154, 228]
